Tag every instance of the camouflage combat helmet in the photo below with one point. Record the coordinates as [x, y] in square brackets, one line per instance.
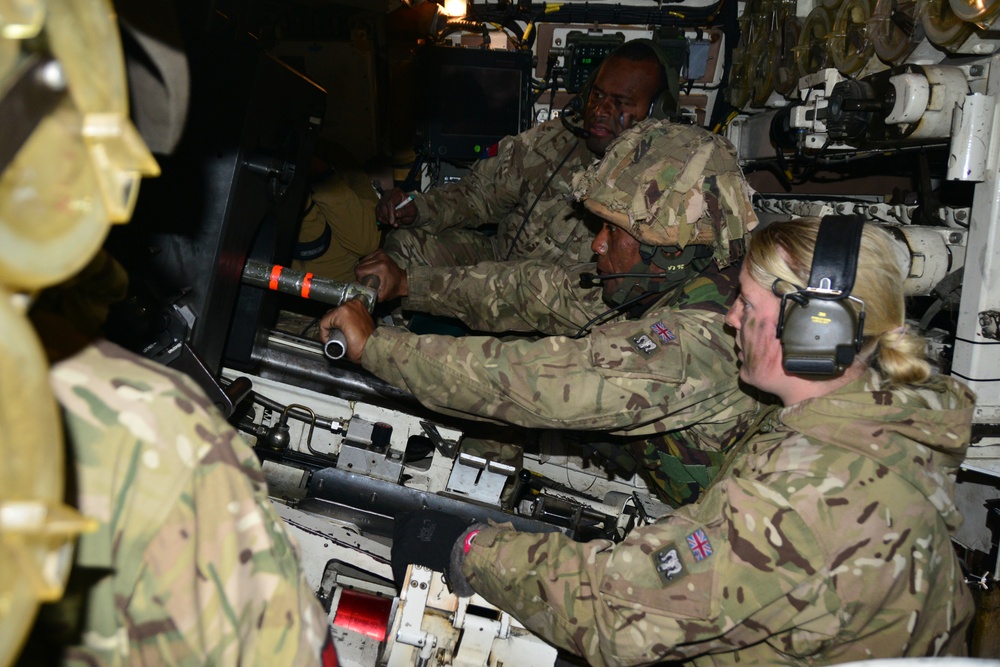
[669, 184]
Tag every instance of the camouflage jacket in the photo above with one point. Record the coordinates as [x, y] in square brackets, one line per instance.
[190, 564]
[824, 540]
[502, 189]
[666, 382]
[528, 296]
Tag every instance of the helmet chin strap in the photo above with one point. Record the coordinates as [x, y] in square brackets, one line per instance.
[675, 267]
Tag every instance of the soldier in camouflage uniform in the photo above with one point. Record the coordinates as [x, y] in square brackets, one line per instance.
[824, 540]
[182, 560]
[662, 376]
[204, 572]
[525, 188]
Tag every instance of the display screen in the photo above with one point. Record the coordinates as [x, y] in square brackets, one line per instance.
[479, 101]
[473, 99]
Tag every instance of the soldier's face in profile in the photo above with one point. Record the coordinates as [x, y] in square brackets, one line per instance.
[754, 316]
[617, 252]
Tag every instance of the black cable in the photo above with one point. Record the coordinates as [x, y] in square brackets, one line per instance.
[731, 32]
[531, 208]
[465, 25]
[514, 28]
[549, 81]
[846, 156]
[408, 183]
[810, 167]
[835, 159]
[777, 169]
[309, 326]
[662, 15]
[610, 311]
[553, 89]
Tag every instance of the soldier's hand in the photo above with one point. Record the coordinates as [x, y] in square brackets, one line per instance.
[353, 320]
[393, 282]
[395, 208]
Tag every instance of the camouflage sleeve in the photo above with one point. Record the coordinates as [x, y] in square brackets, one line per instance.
[729, 572]
[491, 188]
[204, 572]
[678, 365]
[523, 296]
[526, 191]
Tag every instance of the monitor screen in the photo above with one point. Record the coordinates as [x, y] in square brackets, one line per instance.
[473, 99]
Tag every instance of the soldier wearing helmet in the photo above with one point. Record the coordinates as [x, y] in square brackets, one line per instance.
[655, 372]
[524, 187]
[825, 540]
[179, 557]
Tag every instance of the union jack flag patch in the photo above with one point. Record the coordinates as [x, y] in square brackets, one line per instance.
[665, 334]
[700, 547]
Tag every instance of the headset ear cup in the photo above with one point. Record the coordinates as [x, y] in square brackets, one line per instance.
[666, 104]
[818, 337]
[656, 108]
[661, 107]
[672, 104]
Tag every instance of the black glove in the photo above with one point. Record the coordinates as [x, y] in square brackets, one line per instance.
[424, 537]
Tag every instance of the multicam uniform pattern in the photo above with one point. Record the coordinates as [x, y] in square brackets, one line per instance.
[529, 296]
[501, 190]
[192, 565]
[825, 539]
[684, 186]
[666, 381]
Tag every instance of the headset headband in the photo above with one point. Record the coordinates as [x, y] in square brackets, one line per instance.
[835, 258]
[820, 333]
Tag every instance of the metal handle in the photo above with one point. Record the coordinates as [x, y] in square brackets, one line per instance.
[336, 345]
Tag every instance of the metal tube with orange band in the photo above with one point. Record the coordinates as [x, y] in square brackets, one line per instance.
[317, 288]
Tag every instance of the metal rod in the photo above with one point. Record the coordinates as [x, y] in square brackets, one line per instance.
[306, 285]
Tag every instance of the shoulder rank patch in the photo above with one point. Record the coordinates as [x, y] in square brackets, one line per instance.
[644, 345]
[700, 546]
[668, 564]
[665, 334]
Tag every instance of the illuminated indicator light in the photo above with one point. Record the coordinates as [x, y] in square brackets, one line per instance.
[275, 274]
[306, 285]
[454, 8]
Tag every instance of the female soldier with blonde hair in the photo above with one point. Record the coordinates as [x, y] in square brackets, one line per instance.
[824, 539]
[780, 262]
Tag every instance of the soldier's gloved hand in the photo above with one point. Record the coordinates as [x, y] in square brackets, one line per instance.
[433, 539]
[395, 208]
